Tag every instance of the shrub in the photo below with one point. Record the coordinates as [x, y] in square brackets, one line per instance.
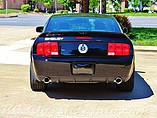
[36, 10]
[124, 22]
[62, 11]
[25, 8]
[129, 10]
[126, 10]
[51, 11]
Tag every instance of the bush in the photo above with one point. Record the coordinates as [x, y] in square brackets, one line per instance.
[126, 10]
[25, 8]
[62, 11]
[36, 10]
[51, 11]
[129, 10]
[124, 22]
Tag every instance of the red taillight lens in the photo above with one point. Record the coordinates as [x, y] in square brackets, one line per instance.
[40, 49]
[118, 49]
[54, 48]
[47, 49]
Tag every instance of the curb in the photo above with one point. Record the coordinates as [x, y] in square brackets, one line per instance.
[145, 48]
[7, 16]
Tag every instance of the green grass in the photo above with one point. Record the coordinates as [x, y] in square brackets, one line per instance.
[144, 36]
[3, 11]
[135, 14]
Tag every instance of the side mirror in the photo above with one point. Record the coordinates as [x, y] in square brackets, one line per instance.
[125, 30]
[39, 29]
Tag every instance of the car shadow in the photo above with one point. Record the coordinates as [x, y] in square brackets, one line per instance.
[99, 91]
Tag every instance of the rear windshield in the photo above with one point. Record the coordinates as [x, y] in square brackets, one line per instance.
[64, 24]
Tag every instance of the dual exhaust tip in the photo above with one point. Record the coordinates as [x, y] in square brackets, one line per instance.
[118, 80]
[46, 80]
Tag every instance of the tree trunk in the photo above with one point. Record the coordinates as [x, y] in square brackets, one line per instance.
[104, 6]
[85, 6]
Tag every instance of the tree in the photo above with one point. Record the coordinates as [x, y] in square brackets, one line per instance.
[136, 3]
[47, 3]
[117, 4]
[147, 3]
[67, 3]
[93, 4]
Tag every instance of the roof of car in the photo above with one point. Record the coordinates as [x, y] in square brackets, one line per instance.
[83, 15]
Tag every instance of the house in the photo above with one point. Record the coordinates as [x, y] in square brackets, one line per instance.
[13, 4]
[16, 4]
[81, 5]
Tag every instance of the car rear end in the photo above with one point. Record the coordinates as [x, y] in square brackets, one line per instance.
[82, 57]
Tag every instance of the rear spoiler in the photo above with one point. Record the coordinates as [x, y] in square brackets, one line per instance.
[99, 34]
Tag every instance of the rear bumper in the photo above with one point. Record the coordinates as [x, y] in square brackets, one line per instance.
[62, 72]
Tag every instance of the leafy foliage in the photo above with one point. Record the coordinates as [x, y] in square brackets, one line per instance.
[51, 11]
[66, 3]
[124, 22]
[36, 10]
[136, 3]
[47, 3]
[147, 3]
[25, 7]
[117, 4]
[129, 10]
[93, 3]
[62, 11]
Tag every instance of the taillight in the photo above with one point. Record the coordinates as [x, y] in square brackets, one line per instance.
[47, 49]
[118, 49]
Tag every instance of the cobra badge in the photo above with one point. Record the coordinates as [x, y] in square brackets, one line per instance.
[82, 48]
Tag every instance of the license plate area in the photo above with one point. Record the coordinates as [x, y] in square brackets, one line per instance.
[82, 69]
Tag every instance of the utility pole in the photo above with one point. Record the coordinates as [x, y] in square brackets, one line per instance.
[6, 6]
[56, 4]
[100, 7]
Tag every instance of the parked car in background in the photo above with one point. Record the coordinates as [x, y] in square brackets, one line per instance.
[82, 49]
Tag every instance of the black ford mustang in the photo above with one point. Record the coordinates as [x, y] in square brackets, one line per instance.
[81, 49]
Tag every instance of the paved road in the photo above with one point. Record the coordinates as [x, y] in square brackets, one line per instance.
[25, 20]
[150, 22]
[37, 20]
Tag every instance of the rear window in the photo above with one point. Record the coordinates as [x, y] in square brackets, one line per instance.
[64, 24]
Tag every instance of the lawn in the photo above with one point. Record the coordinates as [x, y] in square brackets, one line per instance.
[135, 14]
[144, 36]
[3, 11]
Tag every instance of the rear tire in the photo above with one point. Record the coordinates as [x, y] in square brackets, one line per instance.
[127, 86]
[36, 85]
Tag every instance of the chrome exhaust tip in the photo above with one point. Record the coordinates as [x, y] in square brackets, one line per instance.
[46, 80]
[118, 80]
